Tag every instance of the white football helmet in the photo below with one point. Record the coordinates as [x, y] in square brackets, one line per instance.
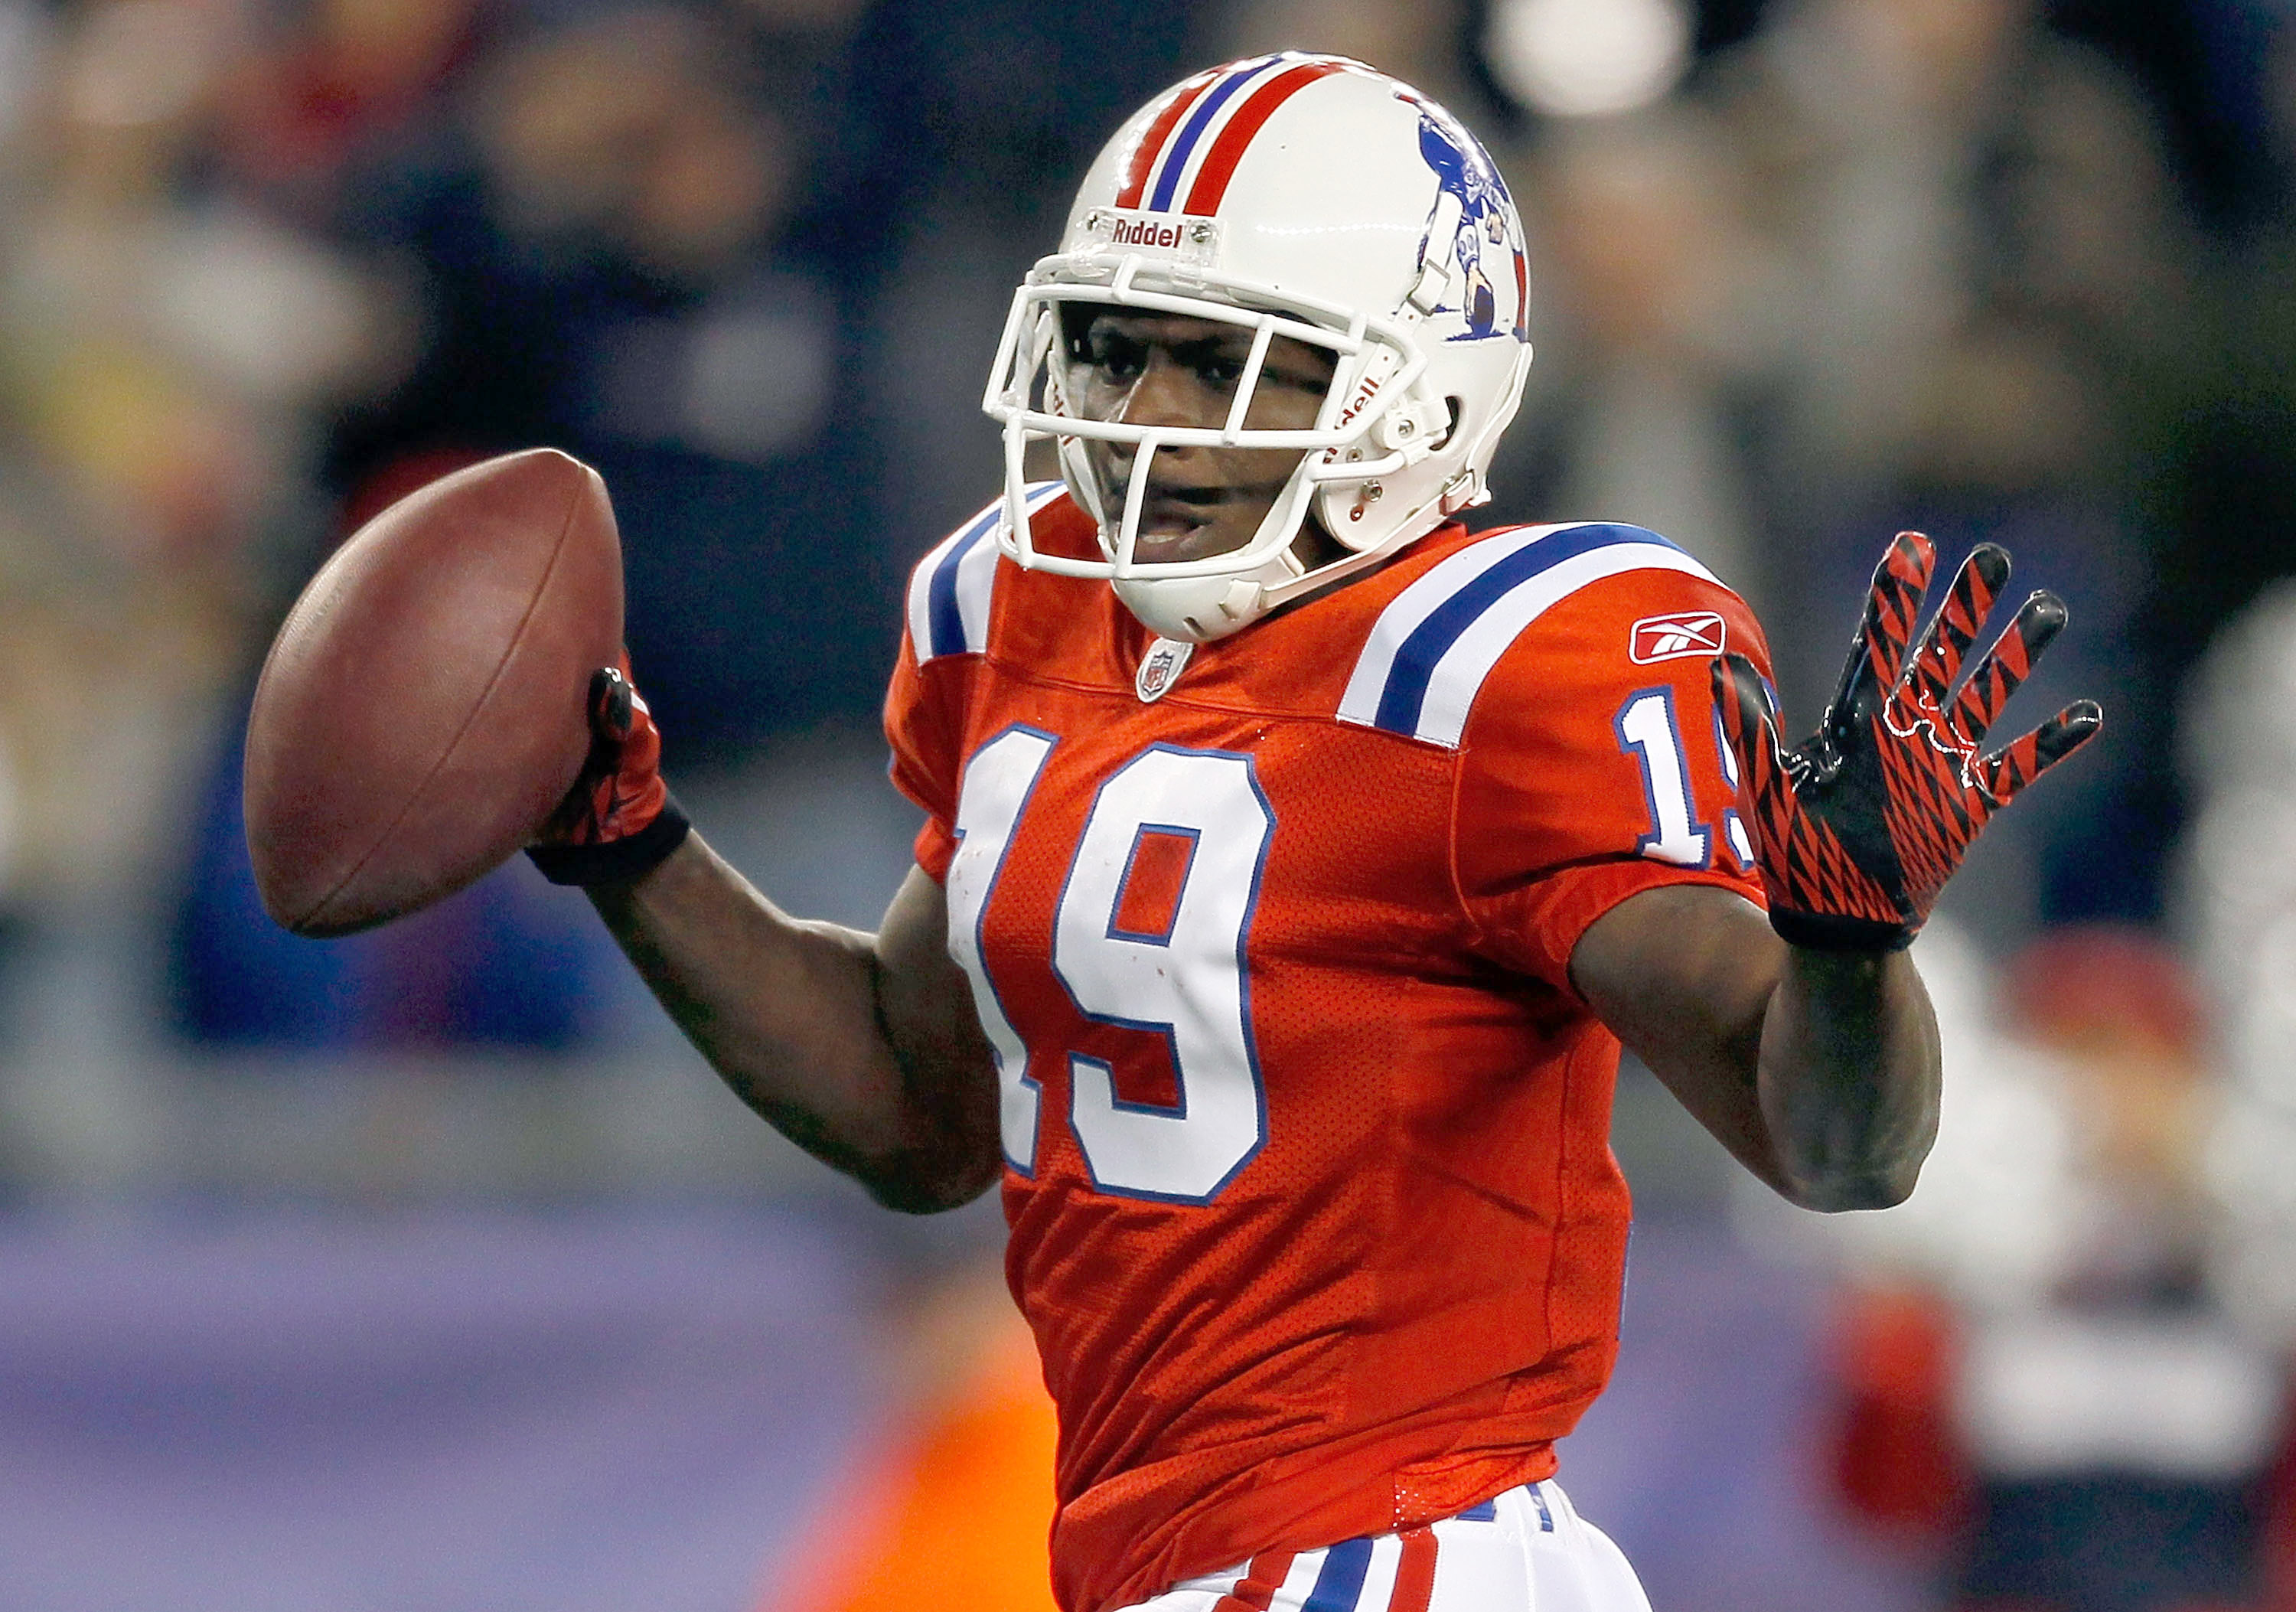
[1293, 195]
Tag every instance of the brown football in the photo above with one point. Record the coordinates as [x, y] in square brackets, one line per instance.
[424, 707]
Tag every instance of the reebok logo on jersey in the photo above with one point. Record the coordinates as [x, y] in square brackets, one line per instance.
[1694, 632]
[1160, 667]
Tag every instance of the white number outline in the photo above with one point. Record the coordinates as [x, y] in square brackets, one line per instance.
[1646, 747]
[1734, 826]
[1105, 1072]
[1020, 1095]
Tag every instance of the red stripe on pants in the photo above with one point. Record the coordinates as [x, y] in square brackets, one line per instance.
[1415, 1575]
[1258, 1584]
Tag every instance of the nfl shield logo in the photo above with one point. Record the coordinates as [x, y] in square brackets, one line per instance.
[1160, 667]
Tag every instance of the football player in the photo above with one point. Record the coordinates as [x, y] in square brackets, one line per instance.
[1296, 862]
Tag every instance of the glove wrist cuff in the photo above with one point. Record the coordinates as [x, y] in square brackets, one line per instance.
[617, 861]
[1827, 931]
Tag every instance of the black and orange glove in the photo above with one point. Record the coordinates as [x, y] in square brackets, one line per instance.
[619, 819]
[1858, 827]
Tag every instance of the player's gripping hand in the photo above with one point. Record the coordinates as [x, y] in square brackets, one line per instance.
[619, 819]
[1859, 827]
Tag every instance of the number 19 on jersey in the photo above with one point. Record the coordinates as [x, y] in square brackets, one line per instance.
[1183, 982]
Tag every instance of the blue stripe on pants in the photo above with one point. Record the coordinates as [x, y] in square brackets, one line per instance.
[1340, 1582]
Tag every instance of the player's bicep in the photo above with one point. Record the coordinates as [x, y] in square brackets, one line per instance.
[923, 993]
[925, 1007]
[1683, 975]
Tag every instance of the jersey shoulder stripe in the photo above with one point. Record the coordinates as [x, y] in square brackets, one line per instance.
[952, 587]
[1432, 648]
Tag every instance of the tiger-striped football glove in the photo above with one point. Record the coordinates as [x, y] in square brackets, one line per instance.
[1858, 827]
[619, 819]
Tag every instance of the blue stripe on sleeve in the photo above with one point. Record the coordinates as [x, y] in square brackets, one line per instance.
[1340, 1582]
[1416, 658]
[947, 620]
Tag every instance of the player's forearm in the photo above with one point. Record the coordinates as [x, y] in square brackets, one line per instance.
[1817, 1070]
[792, 1015]
[1848, 1077]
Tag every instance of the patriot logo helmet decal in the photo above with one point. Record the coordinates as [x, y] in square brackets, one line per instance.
[1471, 232]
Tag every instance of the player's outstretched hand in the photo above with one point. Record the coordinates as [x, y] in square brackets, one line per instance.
[1859, 827]
[619, 819]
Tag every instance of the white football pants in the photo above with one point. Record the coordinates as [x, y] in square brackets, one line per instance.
[1525, 1552]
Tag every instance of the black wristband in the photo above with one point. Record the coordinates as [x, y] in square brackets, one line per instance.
[1826, 932]
[616, 861]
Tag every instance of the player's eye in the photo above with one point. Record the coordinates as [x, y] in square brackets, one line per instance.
[1219, 371]
[1310, 378]
[1117, 355]
[1298, 368]
[1216, 362]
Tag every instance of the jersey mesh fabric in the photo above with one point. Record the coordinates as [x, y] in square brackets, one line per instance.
[1393, 1308]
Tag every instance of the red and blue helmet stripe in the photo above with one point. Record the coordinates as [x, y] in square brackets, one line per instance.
[1161, 160]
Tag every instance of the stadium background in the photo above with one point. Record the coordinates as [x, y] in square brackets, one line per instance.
[428, 1270]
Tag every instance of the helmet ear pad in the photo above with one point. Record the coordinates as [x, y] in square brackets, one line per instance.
[1417, 425]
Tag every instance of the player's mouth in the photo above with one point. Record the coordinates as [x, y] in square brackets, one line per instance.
[1174, 511]
[1189, 523]
[1175, 521]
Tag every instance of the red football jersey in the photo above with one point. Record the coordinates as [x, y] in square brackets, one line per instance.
[1313, 1209]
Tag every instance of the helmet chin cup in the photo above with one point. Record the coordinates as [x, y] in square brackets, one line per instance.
[1348, 211]
[1198, 610]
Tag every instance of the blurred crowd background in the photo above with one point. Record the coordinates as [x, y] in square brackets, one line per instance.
[427, 1270]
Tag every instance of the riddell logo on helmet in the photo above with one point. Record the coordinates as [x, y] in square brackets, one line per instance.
[1190, 240]
[1366, 389]
[1144, 232]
